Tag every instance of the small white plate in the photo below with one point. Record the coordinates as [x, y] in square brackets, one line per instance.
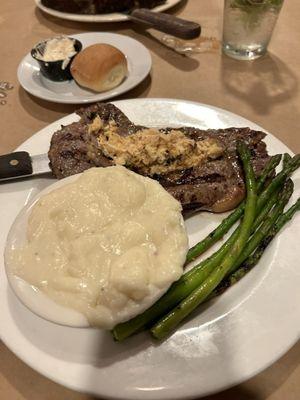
[224, 343]
[112, 17]
[139, 65]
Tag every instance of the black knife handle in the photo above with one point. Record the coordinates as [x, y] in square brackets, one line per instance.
[15, 164]
[167, 23]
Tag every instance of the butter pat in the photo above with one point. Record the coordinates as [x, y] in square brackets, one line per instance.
[56, 49]
[107, 245]
[152, 152]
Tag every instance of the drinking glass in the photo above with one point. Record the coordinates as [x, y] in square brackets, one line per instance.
[248, 27]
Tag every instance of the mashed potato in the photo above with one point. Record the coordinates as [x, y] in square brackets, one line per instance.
[107, 245]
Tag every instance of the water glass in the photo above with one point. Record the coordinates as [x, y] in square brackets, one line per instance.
[248, 27]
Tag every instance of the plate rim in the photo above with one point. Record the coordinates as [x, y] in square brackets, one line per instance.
[98, 96]
[102, 18]
[191, 394]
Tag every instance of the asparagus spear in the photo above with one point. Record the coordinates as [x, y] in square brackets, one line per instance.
[286, 159]
[267, 224]
[267, 171]
[251, 261]
[204, 268]
[164, 326]
[279, 179]
[266, 209]
[228, 222]
[284, 218]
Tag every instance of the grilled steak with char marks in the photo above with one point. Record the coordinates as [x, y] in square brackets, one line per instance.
[216, 185]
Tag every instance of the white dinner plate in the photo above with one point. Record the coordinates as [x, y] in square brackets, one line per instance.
[112, 17]
[138, 60]
[224, 343]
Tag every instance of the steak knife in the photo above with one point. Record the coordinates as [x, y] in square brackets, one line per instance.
[20, 165]
[166, 23]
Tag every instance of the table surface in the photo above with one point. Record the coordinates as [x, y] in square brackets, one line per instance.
[264, 91]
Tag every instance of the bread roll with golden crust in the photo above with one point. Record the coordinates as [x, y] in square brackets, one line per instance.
[99, 67]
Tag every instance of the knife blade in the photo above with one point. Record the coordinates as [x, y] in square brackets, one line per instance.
[166, 23]
[21, 164]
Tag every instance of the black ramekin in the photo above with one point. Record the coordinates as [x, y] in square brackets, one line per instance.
[53, 69]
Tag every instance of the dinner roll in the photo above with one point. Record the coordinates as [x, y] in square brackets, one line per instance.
[99, 67]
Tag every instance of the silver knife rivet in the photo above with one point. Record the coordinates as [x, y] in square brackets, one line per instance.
[14, 162]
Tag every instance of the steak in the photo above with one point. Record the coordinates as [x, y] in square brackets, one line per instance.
[98, 6]
[216, 185]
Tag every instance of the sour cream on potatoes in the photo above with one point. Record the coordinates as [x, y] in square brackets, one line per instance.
[107, 245]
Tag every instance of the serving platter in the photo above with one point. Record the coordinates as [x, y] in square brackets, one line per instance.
[111, 17]
[69, 92]
[224, 343]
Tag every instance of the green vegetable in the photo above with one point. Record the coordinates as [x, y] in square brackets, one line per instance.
[266, 209]
[279, 179]
[252, 261]
[164, 326]
[266, 225]
[268, 170]
[286, 159]
[286, 217]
